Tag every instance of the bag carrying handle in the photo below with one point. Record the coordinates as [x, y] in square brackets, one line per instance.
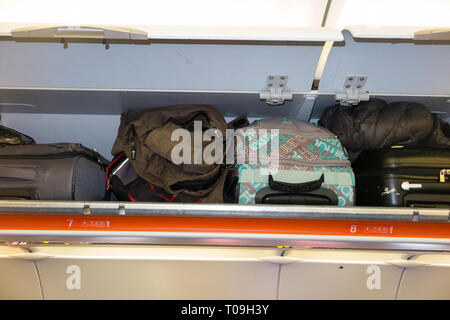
[296, 187]
[239, 122]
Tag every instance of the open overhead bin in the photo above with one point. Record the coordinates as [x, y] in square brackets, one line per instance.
[231, 20]
[397, 51]
[111, 63]
[386, 19]
[409, 70]
[68, 79]
[42, 77]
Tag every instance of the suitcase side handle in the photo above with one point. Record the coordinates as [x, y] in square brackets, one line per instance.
[296, 187]
[434, 187]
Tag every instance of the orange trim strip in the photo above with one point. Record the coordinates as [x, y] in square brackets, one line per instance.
[224, 225]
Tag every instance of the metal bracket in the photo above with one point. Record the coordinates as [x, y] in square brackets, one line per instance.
[354, 93]
[276, 92]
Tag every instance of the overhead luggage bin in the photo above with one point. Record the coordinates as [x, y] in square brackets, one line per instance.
[406, 68]
[156, 20]
[39, 74]
[399, 49]
[158, 272]
[71, 80]
[251, 13]
[68, 73]
[428, 280]
[398, 32]
[166, 66]
[384, 19]
[19, 276]
[150, 33]
[290, 226]
[389, 68]
[226, 66]
[345, 275]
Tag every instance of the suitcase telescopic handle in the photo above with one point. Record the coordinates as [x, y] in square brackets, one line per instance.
[296, 187]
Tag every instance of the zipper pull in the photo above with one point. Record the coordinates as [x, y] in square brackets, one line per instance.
[133, 145]
[133, 150]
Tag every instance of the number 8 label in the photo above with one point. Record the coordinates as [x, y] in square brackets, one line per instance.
[353, 228]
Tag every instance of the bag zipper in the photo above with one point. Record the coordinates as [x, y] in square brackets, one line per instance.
[133, 145]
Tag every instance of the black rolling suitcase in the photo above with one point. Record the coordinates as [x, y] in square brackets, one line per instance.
[403, 177]
[57, 171]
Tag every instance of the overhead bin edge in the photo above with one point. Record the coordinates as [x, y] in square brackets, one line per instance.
[244, 33]
[393, 32]
[171, 32]
[84, 31]
[433, 34]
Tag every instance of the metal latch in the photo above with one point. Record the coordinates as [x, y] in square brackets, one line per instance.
[354, 93]
[276, 92]
[444, 173]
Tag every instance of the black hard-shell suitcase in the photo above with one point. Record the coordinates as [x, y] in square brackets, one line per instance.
[403, 177]
[58, 171]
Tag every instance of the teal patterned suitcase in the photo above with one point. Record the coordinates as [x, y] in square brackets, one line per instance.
[288, 161]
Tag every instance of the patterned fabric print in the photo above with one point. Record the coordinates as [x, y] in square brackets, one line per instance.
[296, 147]
[260, 144]
[290, 167]
[328, 149]
[241, 167]
[292, 147]
[247, 192]
[345, 194]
